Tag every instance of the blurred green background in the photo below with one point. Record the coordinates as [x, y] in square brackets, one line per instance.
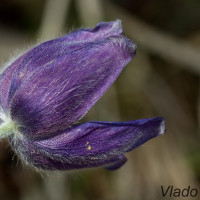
[162, 80]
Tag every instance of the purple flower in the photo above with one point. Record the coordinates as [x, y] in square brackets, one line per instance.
[46, 91]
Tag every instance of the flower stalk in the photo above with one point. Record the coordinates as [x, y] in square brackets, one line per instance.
[7, 126]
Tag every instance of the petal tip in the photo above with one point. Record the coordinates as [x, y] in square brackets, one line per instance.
[117, 23]
[131, 48]
[162, 129]
[117, 26]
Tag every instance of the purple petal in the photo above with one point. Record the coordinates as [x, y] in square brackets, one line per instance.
[90, 144]
[52, 49]
[58, 94]
[47, 52]
[102, 30]
[5, 83]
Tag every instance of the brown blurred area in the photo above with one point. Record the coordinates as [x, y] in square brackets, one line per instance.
[162, 80]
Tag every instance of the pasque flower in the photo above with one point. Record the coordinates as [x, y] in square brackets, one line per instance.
[48, 89]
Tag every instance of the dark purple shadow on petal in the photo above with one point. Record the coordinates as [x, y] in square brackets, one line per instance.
[59, 94]
[90, 144]
[117, 163]
[47, 52]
